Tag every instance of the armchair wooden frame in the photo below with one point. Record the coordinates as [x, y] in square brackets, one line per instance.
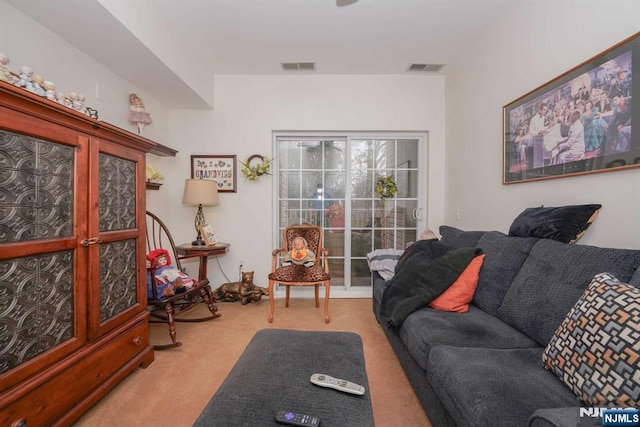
[166, 310]
[297, 275]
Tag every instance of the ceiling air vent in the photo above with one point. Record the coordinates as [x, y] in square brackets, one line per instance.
[427, 68]
[299, 66]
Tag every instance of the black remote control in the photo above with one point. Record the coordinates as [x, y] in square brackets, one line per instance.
[296, 419]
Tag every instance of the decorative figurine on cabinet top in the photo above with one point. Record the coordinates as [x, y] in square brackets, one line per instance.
[37, 83]
[25, 78]
[49, 90]
[138, 115]
[5, 74]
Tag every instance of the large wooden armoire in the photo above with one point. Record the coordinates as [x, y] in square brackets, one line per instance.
[73, 318]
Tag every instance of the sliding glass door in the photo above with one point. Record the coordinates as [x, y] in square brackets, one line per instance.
[330, 181]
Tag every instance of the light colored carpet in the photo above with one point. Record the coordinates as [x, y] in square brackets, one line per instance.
[175, 388]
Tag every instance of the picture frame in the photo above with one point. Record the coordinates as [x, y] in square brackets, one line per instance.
[539, 141]
[220, 168]
[208, 234]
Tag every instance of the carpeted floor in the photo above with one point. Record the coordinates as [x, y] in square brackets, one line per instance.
[174, 389]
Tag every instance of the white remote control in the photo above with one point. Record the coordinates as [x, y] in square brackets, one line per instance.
[342, 385]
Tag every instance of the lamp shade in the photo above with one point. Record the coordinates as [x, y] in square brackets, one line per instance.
[200, 192]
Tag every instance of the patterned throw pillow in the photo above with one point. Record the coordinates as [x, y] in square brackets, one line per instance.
[596, 349]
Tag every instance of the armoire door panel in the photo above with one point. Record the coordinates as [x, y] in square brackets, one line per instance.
[115, 260]
[39, 264]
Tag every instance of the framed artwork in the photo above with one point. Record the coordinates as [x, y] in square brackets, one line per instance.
[581, 122]
[222, 169]
[208, 235]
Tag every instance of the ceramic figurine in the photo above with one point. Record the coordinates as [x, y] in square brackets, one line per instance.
[50, 90]
[5, 74]
[138, 115]
[77, 102]
[60, 97]
[25, 77]
[37, 83]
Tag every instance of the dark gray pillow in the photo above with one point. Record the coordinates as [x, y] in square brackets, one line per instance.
[565, 223]
[459, 238]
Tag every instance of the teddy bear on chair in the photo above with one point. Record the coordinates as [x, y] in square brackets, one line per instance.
[300, 254]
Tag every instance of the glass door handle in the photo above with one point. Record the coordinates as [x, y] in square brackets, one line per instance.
[417, 214]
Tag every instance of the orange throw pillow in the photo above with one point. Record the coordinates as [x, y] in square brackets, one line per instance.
[458, 296]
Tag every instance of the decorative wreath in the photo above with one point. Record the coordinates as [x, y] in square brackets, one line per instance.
[386, 187]
[260, 166]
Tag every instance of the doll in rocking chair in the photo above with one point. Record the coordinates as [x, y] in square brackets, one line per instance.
[169, 280]
[300, 254]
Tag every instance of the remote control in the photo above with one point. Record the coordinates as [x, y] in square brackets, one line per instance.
[342, 385]
[296, 419]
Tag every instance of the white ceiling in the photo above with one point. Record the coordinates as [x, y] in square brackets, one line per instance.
[256, 36]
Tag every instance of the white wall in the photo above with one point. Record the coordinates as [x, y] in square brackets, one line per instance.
[249, 109]
[26, 42]
[529, 45]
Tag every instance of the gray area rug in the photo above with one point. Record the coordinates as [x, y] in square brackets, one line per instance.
[273, 374]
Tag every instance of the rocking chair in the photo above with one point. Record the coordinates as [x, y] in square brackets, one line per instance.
[165, 309]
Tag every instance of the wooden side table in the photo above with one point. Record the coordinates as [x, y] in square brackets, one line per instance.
[186, 250]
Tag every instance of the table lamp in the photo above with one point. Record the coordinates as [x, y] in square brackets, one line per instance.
[200, 192]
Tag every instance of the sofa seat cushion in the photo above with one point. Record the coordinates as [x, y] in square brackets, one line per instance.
[499, 387]
[504, 257]
[553, 278]
[426, 328]
[554, 417]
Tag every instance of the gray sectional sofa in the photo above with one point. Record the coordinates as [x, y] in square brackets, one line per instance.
[483, 367]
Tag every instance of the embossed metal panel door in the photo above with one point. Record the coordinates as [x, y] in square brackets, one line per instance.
[116, 255]
[41, 268]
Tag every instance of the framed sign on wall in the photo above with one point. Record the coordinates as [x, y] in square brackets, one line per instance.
[581, 122]
[220, 168]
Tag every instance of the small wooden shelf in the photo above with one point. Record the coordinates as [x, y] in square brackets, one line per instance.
[153, 185]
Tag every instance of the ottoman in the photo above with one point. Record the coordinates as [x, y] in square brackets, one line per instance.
[273, 374]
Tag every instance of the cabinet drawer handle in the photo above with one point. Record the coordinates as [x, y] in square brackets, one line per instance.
[20, 423]
[93, 240]
[137, 340]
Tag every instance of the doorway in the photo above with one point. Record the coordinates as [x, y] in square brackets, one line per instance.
[329, 181]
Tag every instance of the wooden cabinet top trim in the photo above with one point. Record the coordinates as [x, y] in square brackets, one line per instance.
[29, 103]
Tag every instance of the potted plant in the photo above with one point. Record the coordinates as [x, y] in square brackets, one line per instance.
[386, 187]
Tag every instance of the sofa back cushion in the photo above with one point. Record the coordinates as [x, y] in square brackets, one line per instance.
[552, 279]
[635, 279]
[504, 256]
[459, 238]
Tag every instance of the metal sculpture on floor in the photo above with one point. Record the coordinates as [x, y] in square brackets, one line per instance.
[245, 291]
